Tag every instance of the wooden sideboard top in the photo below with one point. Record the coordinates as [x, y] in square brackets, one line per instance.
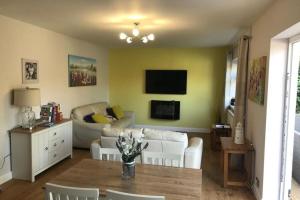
[37, 128]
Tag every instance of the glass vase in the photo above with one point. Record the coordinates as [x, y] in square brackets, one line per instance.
[128, 170]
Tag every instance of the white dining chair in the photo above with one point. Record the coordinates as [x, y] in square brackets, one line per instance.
[115, 195]
[60, 192]
[110, 154]
[165, 159]
[152, 158]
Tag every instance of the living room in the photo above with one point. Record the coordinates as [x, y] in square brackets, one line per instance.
[29, 31]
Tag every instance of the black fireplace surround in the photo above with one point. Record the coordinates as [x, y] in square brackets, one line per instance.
[165, 110]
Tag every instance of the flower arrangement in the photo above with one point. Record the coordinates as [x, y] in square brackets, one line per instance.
[130, 148]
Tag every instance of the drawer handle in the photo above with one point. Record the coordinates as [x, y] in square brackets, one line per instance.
[54, 155]
[62, 141]
[54, 133]
[54, 144]
[46, 148]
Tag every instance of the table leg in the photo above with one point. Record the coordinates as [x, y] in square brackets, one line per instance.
[225, 167]
[222, 160]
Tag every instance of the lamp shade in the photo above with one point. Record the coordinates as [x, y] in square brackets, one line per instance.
[27, 97]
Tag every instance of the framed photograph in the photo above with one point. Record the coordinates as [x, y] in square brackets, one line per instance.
[82, 71]
[30, 71]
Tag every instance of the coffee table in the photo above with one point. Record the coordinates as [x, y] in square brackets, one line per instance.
[173, 183]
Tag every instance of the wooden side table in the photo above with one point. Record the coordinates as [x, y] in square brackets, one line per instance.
[229, 148]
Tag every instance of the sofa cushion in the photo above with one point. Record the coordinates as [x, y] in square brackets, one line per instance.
[99, 118]
[111, 112]
[118, 111]
[80, 112]
[88, 118]
[100, 107]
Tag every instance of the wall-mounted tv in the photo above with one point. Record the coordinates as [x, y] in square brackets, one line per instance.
[166, 81]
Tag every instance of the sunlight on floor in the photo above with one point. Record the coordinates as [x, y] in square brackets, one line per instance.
[295, 190]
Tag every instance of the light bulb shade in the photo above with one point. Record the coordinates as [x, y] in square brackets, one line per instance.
[27, 97]
[135, 32]
[129, 40]
[151, 37]
[123, 36]
[144, 39]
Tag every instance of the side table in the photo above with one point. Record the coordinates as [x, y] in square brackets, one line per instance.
[229, 148]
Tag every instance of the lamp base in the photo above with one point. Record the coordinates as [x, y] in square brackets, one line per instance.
[28, 118]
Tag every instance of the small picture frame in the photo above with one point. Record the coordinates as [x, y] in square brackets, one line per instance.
[30, 71]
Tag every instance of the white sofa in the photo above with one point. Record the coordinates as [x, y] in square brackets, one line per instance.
[159, 141]
[84, 133]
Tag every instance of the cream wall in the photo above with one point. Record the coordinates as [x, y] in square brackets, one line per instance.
[20, 40]
[266, 139]
[205, 83]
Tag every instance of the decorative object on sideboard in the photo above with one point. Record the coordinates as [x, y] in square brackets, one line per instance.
[239, 137]
[82, 71]
[51, 114]
[130, 148]
[136, 35]
[30, 71]
[26, 98]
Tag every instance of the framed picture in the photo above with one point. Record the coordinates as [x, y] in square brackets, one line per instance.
[257, 80]
[30, 71]
[82, 71]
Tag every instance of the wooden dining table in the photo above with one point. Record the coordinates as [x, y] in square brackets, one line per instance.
[173, 183]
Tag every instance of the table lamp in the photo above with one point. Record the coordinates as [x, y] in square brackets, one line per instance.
[26, 98]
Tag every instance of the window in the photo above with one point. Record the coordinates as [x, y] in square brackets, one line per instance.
[230, 87]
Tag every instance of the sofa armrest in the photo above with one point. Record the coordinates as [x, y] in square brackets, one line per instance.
[193, 153]
[95, 149]
[131, 115]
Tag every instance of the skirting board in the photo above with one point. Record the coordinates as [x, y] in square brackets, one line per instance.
[173, 128]
[256, 193]
[5, 177]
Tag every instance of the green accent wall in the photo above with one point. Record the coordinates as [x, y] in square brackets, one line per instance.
[200, 107]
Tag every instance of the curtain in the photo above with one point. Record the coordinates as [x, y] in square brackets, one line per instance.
[241, 82]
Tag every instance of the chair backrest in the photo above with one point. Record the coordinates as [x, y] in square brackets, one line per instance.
[60, 192]
[166, 159]
[110, 154]
[152, 158]
[115, 195]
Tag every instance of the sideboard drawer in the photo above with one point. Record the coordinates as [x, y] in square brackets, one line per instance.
[54, 134]
[54, 144]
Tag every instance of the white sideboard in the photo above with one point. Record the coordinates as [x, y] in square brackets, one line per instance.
[35, 151]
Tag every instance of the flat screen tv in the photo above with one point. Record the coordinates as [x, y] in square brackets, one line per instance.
[166, 81]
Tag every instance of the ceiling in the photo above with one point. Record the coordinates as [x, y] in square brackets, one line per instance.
[175, 23]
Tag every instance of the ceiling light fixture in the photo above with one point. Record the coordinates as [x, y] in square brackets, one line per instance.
[136, 35]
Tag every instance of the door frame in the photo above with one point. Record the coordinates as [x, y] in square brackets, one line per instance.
[289, 117]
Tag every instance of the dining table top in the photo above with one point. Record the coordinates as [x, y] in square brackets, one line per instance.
[173, 183]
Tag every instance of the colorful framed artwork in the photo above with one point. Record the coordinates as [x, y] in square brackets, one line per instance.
[30, 71]
[82, 71]
[257, 80]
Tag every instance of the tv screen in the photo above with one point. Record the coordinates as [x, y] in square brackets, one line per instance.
[166, 81]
